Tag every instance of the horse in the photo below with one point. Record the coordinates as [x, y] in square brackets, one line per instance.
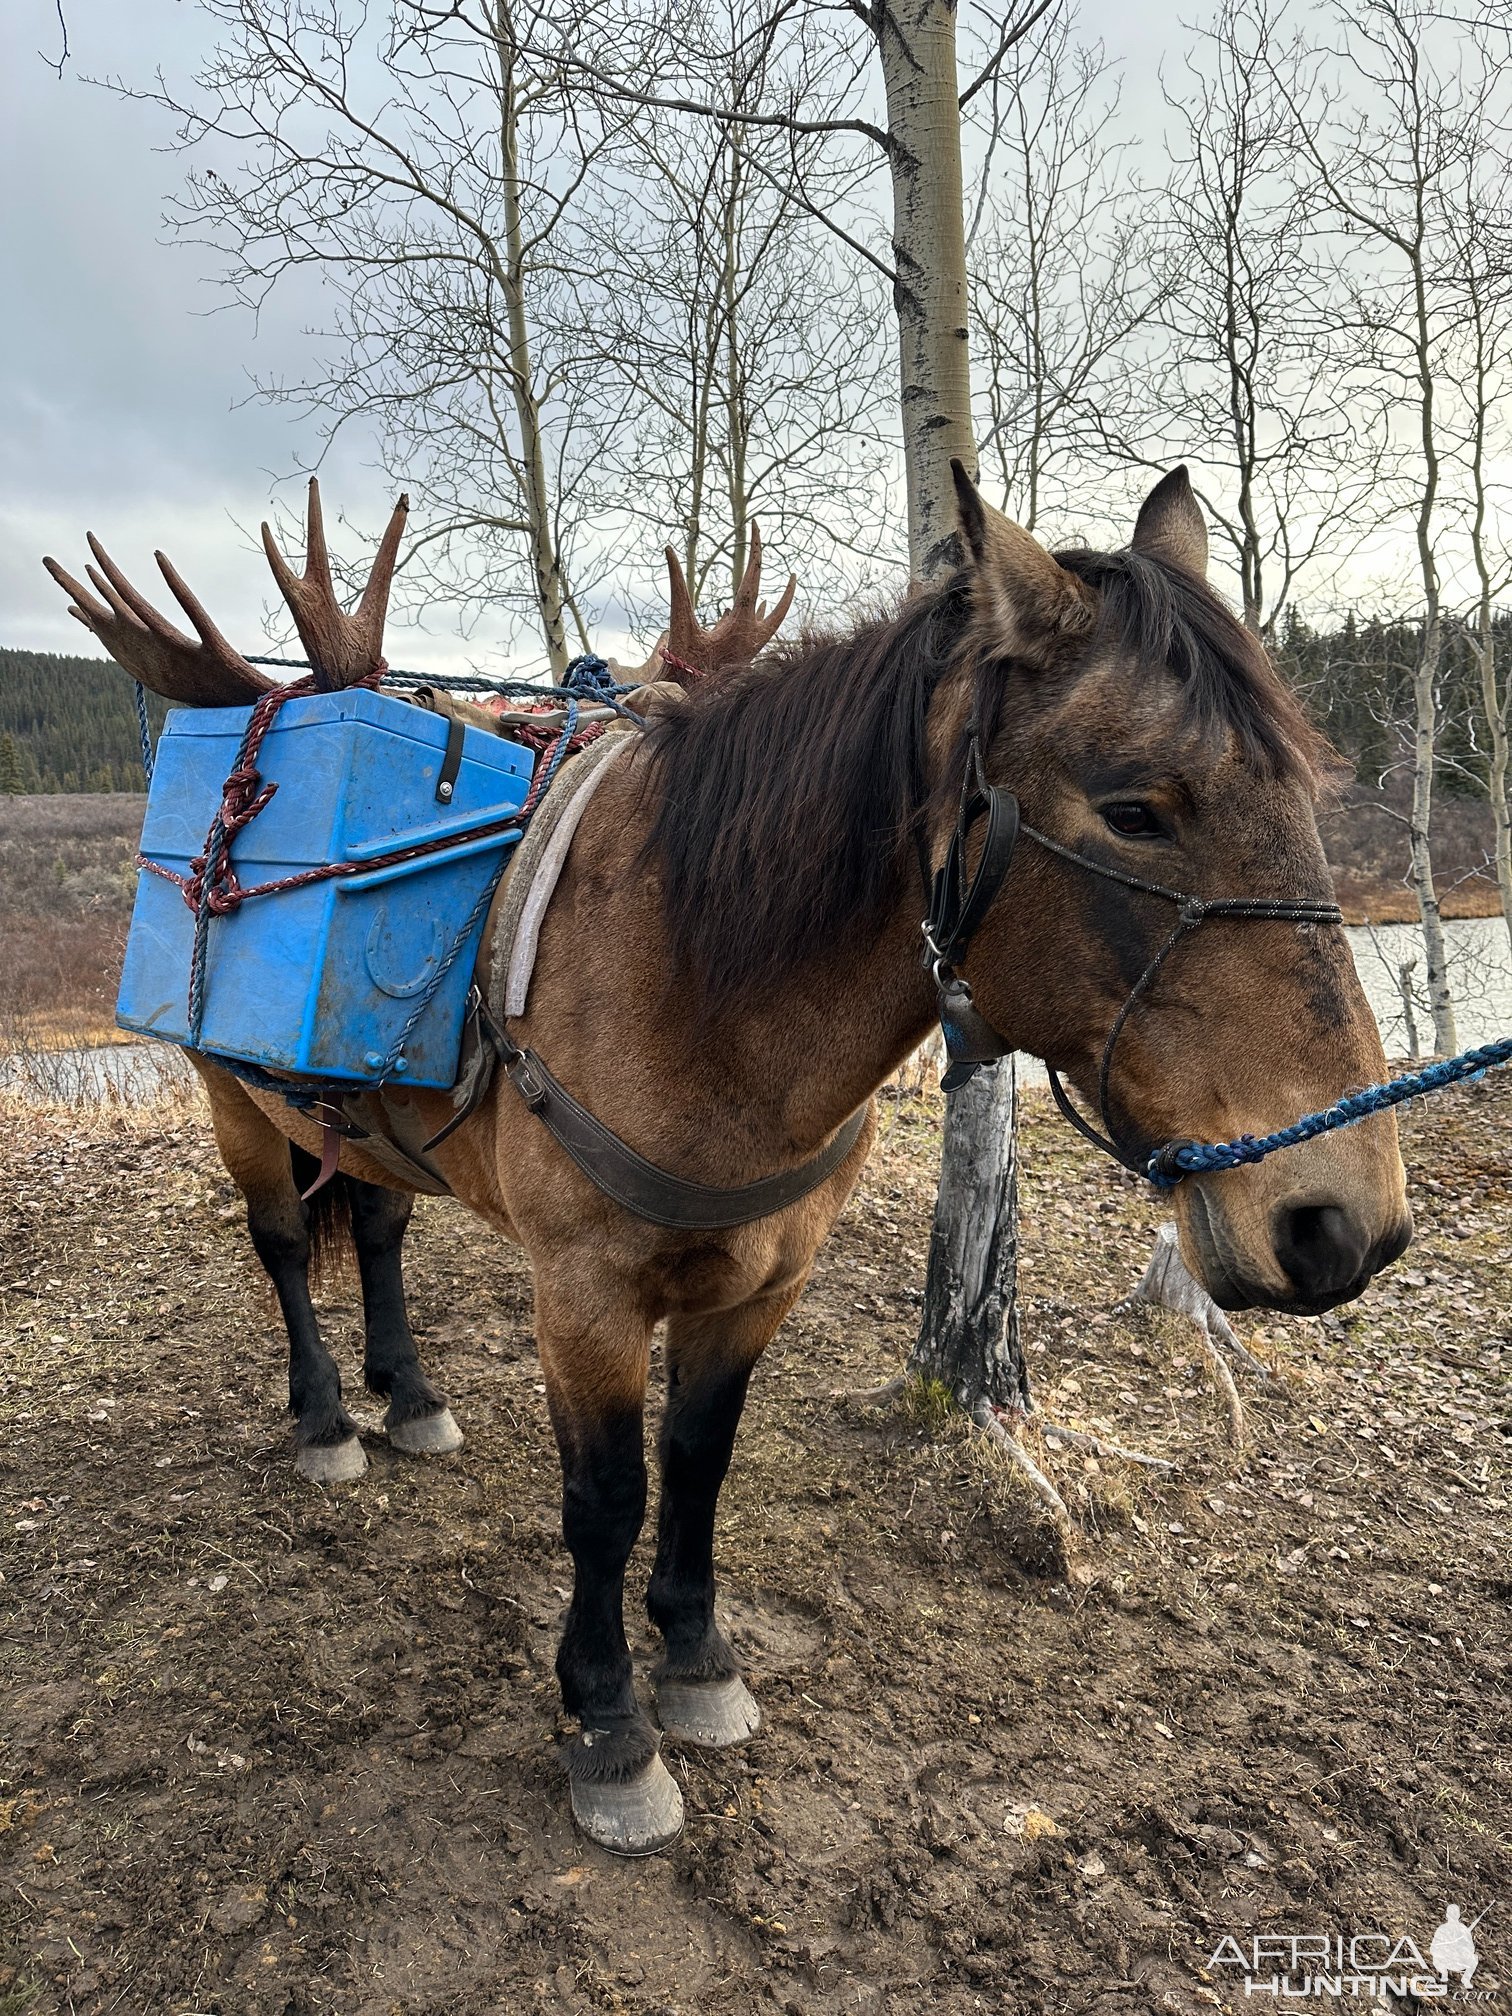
[731, 966]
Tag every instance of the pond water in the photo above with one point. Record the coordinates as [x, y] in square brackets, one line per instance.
[1480, 979]
[131, 1072]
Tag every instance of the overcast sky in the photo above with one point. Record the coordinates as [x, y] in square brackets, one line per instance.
[125, 401]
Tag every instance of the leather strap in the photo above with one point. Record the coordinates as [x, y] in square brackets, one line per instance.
[451, 762]
[956, 912]
[639, 1186]
[330, 1153]
[954, 918]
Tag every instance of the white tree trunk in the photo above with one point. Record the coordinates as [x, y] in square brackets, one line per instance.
[1425, 685]
[916, 40]
[969, 1335]
[535, 486]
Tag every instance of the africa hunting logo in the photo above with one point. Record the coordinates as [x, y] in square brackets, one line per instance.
[1366, 1966]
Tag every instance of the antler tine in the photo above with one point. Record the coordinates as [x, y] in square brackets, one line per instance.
[207, 673]
[341, 649]
[743, 630]
[84, 607]
[768, 626]
[373, 608]
[684, 632]
[746, 628]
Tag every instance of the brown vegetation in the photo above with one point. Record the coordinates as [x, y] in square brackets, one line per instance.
[1366, 840]
[66, 885]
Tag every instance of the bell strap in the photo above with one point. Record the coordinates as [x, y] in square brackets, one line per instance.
[956, 909]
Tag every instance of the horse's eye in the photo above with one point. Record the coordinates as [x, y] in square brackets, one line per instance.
[1133, 820]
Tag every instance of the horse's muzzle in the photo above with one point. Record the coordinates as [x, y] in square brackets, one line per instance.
[1327, 1254]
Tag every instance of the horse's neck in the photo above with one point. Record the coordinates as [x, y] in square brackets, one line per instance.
[828, 1036]
[791, 1064]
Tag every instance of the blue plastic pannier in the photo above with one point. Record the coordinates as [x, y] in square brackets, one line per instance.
[321, 980]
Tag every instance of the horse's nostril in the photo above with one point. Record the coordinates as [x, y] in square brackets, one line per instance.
[1320, 1247]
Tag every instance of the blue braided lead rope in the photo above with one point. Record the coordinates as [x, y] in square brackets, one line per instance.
[1197, 1158]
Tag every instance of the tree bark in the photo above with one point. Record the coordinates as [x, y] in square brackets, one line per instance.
[535, 486]
[916, 42]
[969, 1338]
[1425, 671]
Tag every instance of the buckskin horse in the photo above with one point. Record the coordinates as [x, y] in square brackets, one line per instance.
[730, 967]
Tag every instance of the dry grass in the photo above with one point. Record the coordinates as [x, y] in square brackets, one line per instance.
[66, 884]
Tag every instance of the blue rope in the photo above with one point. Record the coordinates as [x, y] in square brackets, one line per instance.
[1197, 1158]
[145, 731]
[588, 677]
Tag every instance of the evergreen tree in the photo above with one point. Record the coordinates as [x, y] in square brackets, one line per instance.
[12, 783]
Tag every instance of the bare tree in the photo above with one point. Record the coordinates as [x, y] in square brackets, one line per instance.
[1252, 379]
[427, 172]
[1479, 271]
[1063, 270]
[1383, 127]
[745, 341]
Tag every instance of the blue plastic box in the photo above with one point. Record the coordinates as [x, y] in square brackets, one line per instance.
[321, 980]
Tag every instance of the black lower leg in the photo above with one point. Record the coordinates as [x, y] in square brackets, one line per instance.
[698, 1434]
[391, 1364]
[603, 1504]
[280, 1229]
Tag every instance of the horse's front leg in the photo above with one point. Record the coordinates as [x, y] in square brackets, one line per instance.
[700, 1696]
[418, 1420]
[595, 1355]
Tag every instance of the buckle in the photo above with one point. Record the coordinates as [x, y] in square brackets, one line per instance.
[529, 1086]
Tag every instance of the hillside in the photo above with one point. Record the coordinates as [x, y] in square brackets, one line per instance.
[68, 724]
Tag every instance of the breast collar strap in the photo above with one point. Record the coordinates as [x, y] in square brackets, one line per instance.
[956, 910]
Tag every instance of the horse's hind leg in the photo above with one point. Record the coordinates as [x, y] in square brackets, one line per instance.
[700, 1695]
[418, 1420]
[595, 1354]
[260, 1162]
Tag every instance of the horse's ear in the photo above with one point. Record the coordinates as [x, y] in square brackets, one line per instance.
[1170, 525]
[1023, 590]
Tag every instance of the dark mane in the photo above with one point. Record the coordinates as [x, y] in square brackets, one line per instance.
[789, 789]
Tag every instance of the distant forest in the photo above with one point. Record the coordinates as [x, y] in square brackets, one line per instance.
[69, 724]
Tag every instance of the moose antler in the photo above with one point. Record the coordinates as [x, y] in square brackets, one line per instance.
[210, 673]
[743, 630]
[341, 649]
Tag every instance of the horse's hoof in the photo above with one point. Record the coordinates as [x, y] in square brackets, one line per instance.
[640, 1816]
[331, 1462]
[426, 1434]
[714, 1713]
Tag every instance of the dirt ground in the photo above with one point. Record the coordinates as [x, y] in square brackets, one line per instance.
[272, 1751]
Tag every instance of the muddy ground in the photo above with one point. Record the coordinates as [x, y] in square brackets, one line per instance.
[272, 1751]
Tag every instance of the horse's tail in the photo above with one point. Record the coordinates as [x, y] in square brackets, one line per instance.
[331, 1247]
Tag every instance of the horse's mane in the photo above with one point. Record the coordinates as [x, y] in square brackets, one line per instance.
[790, 789]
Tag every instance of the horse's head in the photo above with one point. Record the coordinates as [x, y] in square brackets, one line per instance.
[1143, 729]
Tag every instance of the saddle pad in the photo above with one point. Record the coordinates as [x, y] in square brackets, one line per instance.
[514, 930]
